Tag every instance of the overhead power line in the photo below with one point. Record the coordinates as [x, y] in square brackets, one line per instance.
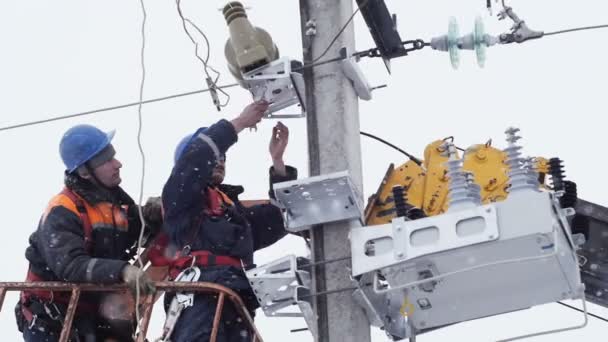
[158, 99]
[576, 29]
[315, 63]
[106, 109]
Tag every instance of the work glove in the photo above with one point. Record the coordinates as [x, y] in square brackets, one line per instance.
[153, 213]
[250, 116]
[130, 275]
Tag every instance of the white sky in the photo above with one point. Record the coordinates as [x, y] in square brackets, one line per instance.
[63, 57]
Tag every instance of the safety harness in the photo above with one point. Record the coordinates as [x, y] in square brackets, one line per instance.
[45, 303]
[186, 264]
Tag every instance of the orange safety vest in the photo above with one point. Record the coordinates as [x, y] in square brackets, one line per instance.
[99, 216]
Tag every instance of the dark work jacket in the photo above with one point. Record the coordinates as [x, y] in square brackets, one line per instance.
[57, 250]
[237, 233]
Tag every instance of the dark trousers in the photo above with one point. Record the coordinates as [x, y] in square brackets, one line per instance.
[84, 329]
[39, 334]
[196, 322]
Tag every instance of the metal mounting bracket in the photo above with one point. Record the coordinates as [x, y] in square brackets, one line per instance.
[279, 85]
[279, 285]
[317, 200]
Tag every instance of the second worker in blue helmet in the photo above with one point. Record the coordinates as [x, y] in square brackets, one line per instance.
[205, 220]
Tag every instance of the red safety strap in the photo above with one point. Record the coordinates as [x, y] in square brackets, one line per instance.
[203, 259]
[62, 297]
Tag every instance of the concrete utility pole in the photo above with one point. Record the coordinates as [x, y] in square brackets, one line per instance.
[333, 145]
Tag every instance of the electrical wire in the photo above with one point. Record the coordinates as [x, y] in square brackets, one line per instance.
[333, 41]
[555, 331]
[318, 263]
[451, 139]
[316, 294]
[588, 313]
[106, 109]
[411, 157]
[312, 65]
[158, 99]
[315, 63]
[584, 28]
[576, 29]
[220, 88]
[205, 61]
[143, 164]
[323, 293]
[329, 261]
[207, 65]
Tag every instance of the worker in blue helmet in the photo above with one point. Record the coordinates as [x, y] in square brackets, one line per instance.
[211, 229]
[86, 234]
[179, 150]
[181, 146]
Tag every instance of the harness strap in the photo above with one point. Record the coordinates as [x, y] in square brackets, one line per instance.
[202, 259]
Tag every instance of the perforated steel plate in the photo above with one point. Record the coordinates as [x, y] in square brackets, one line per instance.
[318, 200]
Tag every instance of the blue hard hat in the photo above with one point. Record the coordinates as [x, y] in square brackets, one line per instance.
[81, 143]
[181, 146]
